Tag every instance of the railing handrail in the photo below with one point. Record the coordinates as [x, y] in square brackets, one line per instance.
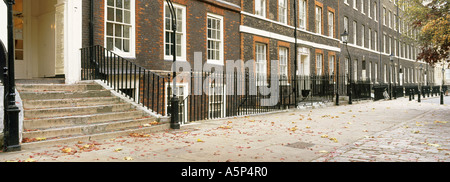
[139, 84]
[121, 57]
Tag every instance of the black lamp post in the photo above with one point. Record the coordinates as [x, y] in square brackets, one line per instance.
[344, 37]
[420, 80]
[11, 117]
[391, 58]
[174, 102]
[442, 86]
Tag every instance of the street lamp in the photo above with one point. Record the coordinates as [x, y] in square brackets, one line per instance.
[391, 59]
[420, 80]
[174, 120]
[442, 85]
[344, 37]
[11, 117]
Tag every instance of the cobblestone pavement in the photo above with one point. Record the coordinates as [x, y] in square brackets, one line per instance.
[422, 139]
[392, 131]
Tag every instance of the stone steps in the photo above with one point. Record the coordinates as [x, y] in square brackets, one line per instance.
[57, 113]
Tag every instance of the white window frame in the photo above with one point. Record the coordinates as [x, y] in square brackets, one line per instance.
[132, 35]
[318, 19]
[362, 7]
[331, 64]
[330, 24]
[355, 70]
[283, 11]
[375, 13]
[181, 57]
[319, 64]
[355, 30]
[363, 30]
[346, 27]
[355, 6]
[384, 15]
[369, 11]
[220, 40]
[302, 10]
[376, 72]
[260, 8]
[261, 63]
[370, 38]
[390, 19]
[283, 54]
[375, 40]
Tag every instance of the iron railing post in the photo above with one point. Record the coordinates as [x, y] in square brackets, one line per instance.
[11, 117]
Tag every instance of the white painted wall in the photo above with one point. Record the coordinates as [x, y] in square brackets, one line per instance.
[3, 24]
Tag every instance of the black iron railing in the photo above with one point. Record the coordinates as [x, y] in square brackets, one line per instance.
[135, 82]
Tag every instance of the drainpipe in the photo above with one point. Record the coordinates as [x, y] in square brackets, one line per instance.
[295, 55]
[91, 24]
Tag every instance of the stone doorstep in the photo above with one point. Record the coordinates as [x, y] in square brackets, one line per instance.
[75, 102]
[68, 111]
[57, 87]
[80, 119]
[86, 138]
[88, 129]
[63, 94]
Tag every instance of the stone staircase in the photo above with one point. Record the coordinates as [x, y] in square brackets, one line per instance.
[58, 113]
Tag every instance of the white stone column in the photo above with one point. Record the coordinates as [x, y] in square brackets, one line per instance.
[72, 39]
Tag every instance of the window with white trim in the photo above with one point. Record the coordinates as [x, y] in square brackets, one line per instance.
[215, 39]
[282, 11]
[369, 11]
[354, 32]
[375, 11]
[283, 56]
[346, 24]
[355, 70]
[260, 8]
[370, 38]
[318, 19]
[330, 24]
[362, 6]
[331, 64]
[384, 16]
[119, 27]
[302, 13]
[180, 33]
[261, 64]
[354, 4]
[363, 30]
[376, 73]
[319, 64]
[375, 41]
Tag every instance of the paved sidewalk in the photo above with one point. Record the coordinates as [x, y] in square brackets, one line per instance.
[396, 130]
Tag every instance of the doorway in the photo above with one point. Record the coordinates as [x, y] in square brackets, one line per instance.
[35, 39]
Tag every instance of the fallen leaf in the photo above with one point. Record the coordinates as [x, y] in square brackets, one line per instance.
[118, 150]
[66, 150]
[199, 140]
[416, 132]
[293, 129]
[323, 151]
[334, 140]
[30, 160]
[324, 136]
[443, 122]
[128, 158]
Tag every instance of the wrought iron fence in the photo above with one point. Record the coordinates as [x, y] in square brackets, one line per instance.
[135, 82]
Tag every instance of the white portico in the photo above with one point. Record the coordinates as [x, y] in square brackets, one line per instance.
[47, 37]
